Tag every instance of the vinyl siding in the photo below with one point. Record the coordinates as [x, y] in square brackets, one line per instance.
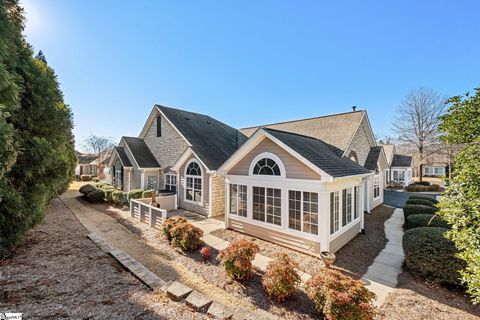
[345, 237]
[294, 168]
[278, 237]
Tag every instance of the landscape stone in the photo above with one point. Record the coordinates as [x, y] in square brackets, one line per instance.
[198, 301]
[219, 311]
[177, 291]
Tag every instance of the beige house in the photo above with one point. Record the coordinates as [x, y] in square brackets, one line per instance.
[305, 184]
[400, 167]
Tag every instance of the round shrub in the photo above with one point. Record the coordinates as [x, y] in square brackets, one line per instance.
[418, 209]
[237, 259]
[281, 278]
[96, 195]
[108, 195]
[339, 297]
[147, 193]
[185, 236]
[423, 202]
[117, 197]
[422, 183]
[135, 194]
[430, 255]
[425, 220]
[424, 197]
[86, 189]
[206, 253]
[169, 223]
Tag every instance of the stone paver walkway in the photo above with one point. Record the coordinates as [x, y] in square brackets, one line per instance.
[382, 274]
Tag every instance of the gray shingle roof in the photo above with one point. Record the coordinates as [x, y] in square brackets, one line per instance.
[123, 157]
[372, 158]
[319, 153]
[141, 153]
[213, 141]
[336, 130]
[400, 160]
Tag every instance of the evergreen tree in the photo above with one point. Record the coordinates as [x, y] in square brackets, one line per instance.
[37, 157]
[460, 206]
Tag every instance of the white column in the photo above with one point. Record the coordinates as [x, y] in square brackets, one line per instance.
[324, 220]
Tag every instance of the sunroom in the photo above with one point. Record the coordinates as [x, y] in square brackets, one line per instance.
[277, 190]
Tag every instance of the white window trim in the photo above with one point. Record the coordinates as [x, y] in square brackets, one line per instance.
[377, 176]
[272, 156]
[165, 180]
[265, 204]
[302, 212]
[343, 229]
[190, 176]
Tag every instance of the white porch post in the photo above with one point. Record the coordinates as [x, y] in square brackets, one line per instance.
[362, 205]
[324, 223]
[227, 202]
[142, 179]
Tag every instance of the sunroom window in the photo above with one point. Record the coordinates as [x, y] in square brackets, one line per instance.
[238, 199]
[267, 205]
[303, 211]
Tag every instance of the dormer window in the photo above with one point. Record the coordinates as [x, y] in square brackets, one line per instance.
[266, 166]
[159, 126]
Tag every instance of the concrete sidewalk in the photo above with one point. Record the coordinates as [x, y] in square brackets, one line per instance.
[382, 274]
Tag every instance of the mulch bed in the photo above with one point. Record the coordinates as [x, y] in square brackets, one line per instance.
[416, 299]
[297, 307]
[58, 273]
[353, 259]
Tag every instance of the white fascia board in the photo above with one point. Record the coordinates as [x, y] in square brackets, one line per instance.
[184, 157]
[354, 176]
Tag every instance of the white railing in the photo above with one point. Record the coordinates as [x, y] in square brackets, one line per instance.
[141, 209]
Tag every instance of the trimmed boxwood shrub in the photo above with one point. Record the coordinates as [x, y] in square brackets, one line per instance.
[135, 194]
[424, 197]
[147, 193]
[86, 189]
[96, 195]
[117, 197]
[419, 188]
[418, 209]
[108, 195]
[430, 255]
[422, 183]
[425, 220]
[424, 202]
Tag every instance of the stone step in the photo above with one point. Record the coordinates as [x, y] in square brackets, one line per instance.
[198, 301]
[219, 311]
[178, 291]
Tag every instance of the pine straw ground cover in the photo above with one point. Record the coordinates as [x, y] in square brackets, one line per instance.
[59, 273]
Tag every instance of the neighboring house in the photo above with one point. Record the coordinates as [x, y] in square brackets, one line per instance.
[400, 167]
[178, 151]
[305, 184]
[86, 164]
[436, 169]
[103, 170]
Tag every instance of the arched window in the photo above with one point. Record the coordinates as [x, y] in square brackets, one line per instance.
[193, 169]
[193, 185]
[353, 156]
[266, 166]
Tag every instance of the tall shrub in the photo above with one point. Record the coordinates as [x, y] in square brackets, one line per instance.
[281, 278]
[237, 259]
[37, 154]
[460, 205]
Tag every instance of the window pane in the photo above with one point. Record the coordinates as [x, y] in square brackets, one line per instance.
[258, 203]
[242, 201]
[294, 210]
[310, 212]
[273, 209]
[344, 207]
[233, 199]
[349, 205]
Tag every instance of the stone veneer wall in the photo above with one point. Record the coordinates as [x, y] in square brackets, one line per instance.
[360, 143]
[218, 196]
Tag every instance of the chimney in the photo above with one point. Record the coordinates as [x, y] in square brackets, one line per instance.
[354, 108]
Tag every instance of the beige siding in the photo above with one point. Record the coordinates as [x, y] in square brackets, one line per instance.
[151, 174]
[218, 196]
[281, 238]
[294, 168]
[342, 240]
[199, 208]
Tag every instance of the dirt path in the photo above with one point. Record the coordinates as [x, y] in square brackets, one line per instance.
[59, 273]
[158, 262]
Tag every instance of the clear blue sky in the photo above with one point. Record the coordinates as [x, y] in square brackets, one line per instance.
[251, 62]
